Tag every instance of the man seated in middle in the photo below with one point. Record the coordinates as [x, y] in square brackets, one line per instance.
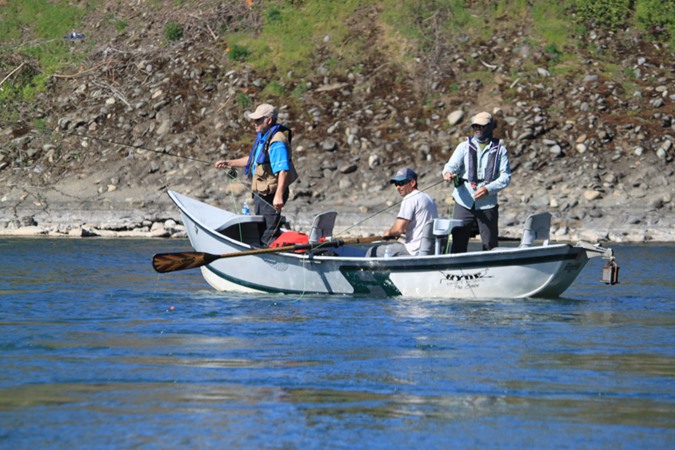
[417, 209]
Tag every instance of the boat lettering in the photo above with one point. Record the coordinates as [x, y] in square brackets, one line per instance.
[463, 280]
[464, 276]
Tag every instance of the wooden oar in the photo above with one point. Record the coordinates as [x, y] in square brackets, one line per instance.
[171, 262]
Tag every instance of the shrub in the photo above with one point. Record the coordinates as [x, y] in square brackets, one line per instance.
[243, 100]
[121, 25]
[300, 90]
[657, 13]
[238, 53]
[173, 31]
[275, 88]
[273, 14]
[608, 13]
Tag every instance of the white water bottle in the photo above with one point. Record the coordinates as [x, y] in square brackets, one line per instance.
[387, 251]
[244, 209]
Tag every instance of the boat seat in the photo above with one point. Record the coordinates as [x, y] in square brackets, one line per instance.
[433, 234]
[322, 227]
[239, 219]
[537, 228]
[427, 242]
[247, 229]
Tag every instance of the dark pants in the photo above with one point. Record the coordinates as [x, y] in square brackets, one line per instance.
[262, 206]
[488, 226]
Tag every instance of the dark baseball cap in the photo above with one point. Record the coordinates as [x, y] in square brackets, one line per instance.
[404, 175]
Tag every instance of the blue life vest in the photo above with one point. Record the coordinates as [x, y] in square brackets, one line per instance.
[266, 140]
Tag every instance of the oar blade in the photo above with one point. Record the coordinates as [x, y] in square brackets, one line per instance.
[172, 262]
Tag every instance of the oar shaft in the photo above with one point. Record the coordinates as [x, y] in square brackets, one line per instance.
[171, 262]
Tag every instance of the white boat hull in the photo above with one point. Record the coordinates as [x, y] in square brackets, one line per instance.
[543, 271]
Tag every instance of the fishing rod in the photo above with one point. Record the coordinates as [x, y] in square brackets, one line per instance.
[390, 206]
[140, 147]
[231, 173]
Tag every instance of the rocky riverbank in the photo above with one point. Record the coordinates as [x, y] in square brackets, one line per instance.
[95, 154]
[75, 208]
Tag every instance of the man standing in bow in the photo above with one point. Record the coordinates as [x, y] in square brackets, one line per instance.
[270, 168]
[480, 168]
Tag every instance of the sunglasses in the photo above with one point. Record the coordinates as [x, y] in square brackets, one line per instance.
[478, 127]
[400, 183]
[260, 121]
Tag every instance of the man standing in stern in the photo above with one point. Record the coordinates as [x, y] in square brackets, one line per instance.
[480, 168]
[270, 168]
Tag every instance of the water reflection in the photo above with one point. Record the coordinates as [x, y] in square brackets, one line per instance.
[102, 353]
[312, 404]
[158, 398]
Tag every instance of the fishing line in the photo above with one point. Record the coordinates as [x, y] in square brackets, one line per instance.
[231, 173]
[387, 208]
[110, 141]
[140, 147]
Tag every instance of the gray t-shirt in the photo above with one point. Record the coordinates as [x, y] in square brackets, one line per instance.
[417, 208]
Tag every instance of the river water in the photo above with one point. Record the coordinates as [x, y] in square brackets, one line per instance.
[97, 351]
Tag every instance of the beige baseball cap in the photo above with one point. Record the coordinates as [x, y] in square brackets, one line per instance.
[264, 110]
[482, 118]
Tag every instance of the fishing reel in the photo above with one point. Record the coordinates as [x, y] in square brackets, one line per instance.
[231, 173]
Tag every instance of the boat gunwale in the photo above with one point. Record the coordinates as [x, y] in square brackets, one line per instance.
[403, 263]
[560, 254]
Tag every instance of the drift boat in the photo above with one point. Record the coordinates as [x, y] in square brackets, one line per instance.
[226, 249]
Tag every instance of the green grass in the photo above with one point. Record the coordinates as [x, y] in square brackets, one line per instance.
[42, 25]
[238, 53]
[120, 25]
[612, 71]
[41, 125]
[298, 35]
[243, 100]
[43, 18]
[291, 34]
[484, 76]
[551, 23]
[565, 64]
[275, 89]
[300, 90]
[419, 21]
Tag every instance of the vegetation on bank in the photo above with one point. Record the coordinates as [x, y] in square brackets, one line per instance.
[33, 35]
[282, 36]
